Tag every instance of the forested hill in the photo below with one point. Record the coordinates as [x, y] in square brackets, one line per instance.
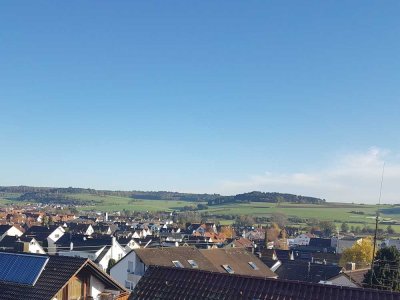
[60, 195]
[265, 197]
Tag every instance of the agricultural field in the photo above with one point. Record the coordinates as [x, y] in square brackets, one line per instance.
[337, 212]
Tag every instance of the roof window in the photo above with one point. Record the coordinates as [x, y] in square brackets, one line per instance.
[228, 268]
[253, 265]
[193, 264]
[177, 263]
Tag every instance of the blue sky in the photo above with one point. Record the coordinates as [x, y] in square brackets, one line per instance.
[202, 96]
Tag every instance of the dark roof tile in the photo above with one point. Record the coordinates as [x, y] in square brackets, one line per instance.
[171, 283]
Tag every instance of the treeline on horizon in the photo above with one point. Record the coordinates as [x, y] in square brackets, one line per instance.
[60, 195]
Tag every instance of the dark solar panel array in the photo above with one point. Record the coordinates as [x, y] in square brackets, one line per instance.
[24, 269]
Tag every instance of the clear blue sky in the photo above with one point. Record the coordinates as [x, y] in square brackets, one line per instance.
[201, 96]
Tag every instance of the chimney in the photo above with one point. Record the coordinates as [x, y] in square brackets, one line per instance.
[350, 266]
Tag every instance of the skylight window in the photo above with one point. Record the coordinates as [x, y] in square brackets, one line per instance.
[253, 265]
[228, 268]
[193, 264]
[177, 263]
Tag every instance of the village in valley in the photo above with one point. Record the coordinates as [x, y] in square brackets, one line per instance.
[120, 254]
[199, 150]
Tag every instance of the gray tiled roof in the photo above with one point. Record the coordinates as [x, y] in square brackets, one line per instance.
[173, 283]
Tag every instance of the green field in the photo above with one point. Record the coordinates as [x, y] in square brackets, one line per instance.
[338, 212]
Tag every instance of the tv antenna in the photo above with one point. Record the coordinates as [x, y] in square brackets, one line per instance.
[376, 223]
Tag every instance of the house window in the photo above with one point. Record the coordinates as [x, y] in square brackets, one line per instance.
[228, 268]
[193, 263]
[130, 266]
[253, 265]
[177, 263]
[128, 284]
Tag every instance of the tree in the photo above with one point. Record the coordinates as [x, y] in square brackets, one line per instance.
[228, 231]
[279, 218]
[266, 238]
[386, 270]
[111, 263]
[327, 227]
[390, 230]
[244, 221]
[360, 253]
[344, 227]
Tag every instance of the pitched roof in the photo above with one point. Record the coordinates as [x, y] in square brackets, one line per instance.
[4, 228]
[356, 276]
[305, 271]
[319, 242]
[83, 242]
[172, 283]
[54, 276]
[238, 259]
[165, 256]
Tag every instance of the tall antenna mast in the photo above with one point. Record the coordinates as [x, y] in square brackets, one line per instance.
[376, 224]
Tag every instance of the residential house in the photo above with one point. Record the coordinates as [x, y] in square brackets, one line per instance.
[350, 278]
[42, 277]
[237, 261]
[391, 242]
[47, 236]
[132, 267]
[301, 240]
[9, 230]
[21, 244]
[81, 228]
[343, 243]
[307, 271]
[99, 249]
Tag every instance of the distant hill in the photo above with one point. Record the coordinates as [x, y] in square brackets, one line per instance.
[265, 197]
[61, 195]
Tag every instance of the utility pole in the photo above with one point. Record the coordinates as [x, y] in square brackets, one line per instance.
[376, 226]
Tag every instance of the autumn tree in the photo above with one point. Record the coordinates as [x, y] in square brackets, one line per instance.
[360, 253]
[228, 231]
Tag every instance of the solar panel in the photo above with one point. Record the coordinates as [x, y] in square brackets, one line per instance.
[21, 268]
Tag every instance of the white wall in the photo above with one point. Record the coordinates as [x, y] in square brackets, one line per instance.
[34, 247]
[96, 287]
[120, 271]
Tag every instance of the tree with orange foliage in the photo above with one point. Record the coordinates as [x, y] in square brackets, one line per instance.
[228, 232]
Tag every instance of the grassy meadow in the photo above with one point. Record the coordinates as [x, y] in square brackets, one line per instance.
[337, 212]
